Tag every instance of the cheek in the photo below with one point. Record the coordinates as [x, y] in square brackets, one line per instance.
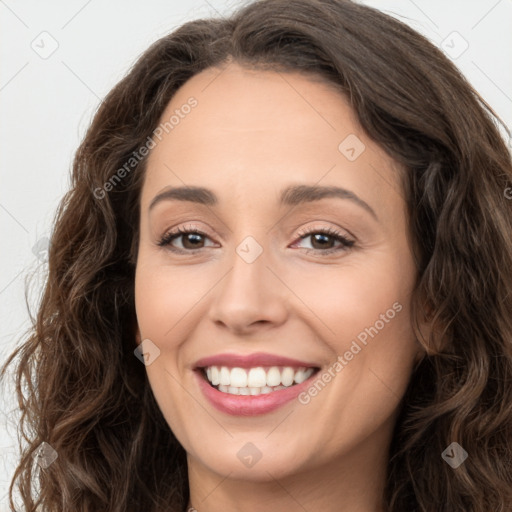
[165, 296]
[351, 296]
[364, 316]
[164, 302]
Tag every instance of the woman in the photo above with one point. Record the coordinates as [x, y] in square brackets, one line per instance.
[281, 280]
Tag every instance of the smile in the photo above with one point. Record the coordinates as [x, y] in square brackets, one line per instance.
[255, 381]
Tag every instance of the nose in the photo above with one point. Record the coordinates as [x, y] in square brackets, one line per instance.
[250, 297]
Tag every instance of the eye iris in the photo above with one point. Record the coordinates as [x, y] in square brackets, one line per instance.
[318, 237]
[191, 237]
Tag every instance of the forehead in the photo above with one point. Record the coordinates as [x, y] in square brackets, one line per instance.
[255, 103]
[254, 130]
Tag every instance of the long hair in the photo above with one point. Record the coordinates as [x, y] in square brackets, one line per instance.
[83, 392]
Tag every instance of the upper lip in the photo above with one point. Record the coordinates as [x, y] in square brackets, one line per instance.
[251, 361]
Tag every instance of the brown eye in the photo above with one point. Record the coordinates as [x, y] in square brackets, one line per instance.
[323, 241]
[190, 240]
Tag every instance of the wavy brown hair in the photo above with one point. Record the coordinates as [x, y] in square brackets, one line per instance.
[82, 391]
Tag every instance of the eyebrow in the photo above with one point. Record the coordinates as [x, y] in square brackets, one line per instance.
[290, 196]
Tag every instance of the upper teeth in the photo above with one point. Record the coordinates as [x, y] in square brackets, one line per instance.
[257, 377]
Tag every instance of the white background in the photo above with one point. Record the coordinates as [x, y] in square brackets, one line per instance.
[46, 105]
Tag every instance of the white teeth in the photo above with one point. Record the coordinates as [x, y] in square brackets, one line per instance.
[215, 375]
[257, 380]
[287, 376]
[273, 376]
[301, 376]
[257, 377]
[224, 376]
[238, 377]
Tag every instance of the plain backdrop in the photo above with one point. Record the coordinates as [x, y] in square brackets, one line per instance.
[59, 59]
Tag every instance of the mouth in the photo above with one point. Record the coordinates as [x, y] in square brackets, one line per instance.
[255, 381]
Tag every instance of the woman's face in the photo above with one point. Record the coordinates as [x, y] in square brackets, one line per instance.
[270, 273]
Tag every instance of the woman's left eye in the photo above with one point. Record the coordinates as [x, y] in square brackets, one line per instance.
[322, 240]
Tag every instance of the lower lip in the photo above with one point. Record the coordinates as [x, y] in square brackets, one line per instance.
[250, 405]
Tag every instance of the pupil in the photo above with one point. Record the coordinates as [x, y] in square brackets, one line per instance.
[318, 237]
[191, 237]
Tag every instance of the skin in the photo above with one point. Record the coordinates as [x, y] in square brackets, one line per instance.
[250, 135]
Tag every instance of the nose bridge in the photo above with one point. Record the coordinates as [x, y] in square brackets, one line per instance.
[249, 274]
[249, 237]
[249, 292]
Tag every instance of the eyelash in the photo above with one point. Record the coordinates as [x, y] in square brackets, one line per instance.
[336, 235]
[346, 244]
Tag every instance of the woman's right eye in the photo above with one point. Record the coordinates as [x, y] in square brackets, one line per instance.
[191, 240]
